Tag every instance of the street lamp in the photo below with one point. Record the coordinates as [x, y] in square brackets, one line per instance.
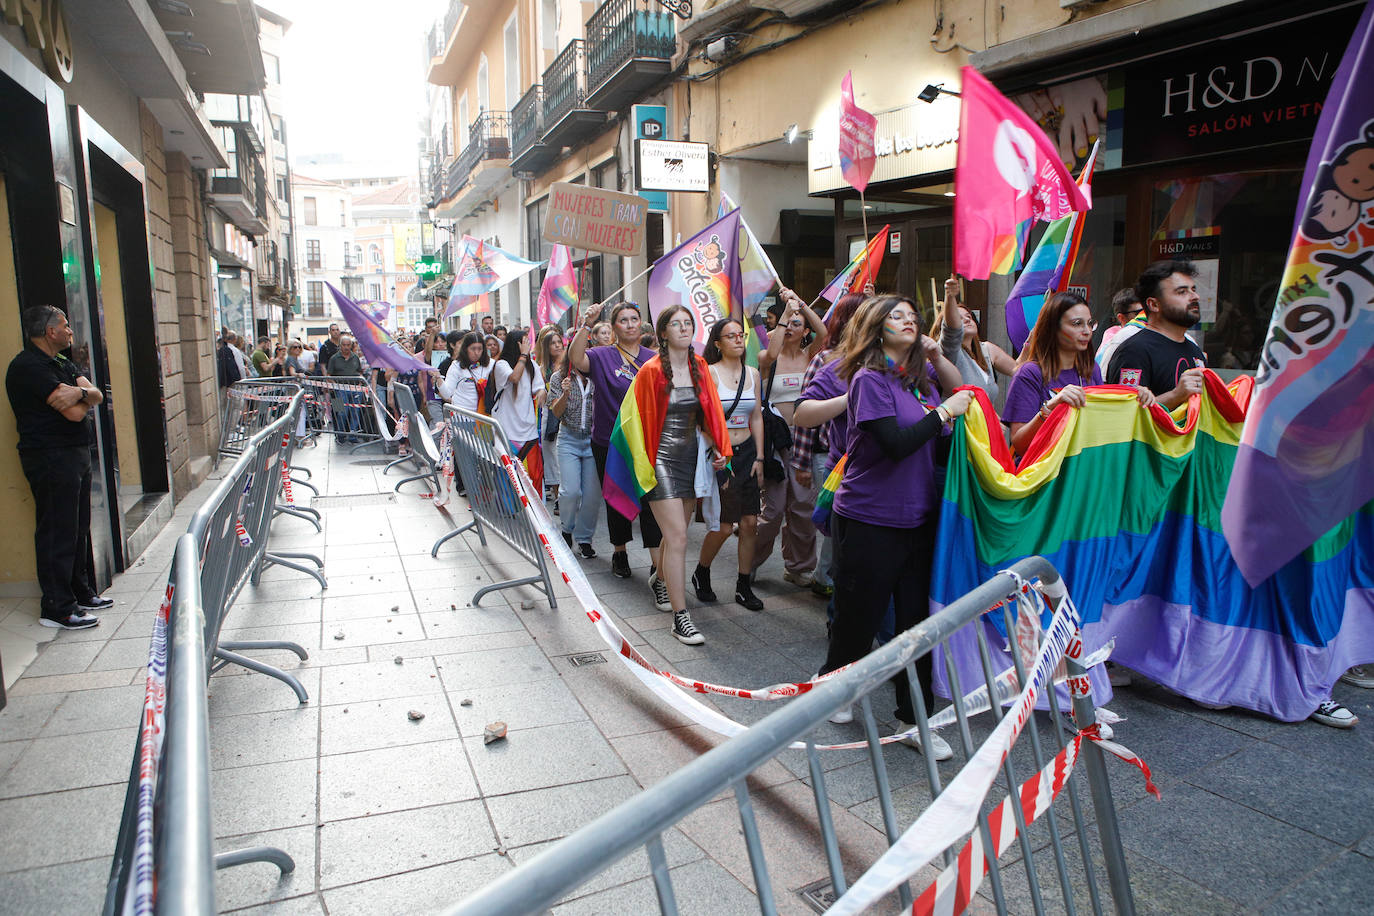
[933, 92]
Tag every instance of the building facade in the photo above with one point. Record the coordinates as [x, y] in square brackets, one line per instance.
[325, 252]
[526, 93]
[1205, 109]
[105, 162]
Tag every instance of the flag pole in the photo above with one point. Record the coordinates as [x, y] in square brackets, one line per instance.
[607, 300]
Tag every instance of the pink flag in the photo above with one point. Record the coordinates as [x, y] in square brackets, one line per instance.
[1008, 173]
[559, 292]
[856, 137]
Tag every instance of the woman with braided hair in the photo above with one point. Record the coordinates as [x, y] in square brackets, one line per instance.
[654, 450]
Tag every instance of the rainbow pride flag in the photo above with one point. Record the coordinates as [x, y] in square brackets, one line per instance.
[1050, 265]
[825, 499]
[859, 271]
[1126, 503]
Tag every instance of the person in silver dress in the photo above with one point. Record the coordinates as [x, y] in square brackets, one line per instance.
[673, 498]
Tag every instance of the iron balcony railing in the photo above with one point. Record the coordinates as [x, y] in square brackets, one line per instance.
[527, 120]
[488, 138]
[565, 83]
[618, 32]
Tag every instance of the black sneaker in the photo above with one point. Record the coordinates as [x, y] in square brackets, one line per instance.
[685, 631]
[95, 603]
[555, 507]
[71, 622]
[701, 581]
[660, 590]
[567, 538]
[588, 551]
[620, 564]
[744, 594]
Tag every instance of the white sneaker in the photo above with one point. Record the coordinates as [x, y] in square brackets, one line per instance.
[1360, 676]
[937, 744]
[1335, 715]
[799, 579]
[843, 717]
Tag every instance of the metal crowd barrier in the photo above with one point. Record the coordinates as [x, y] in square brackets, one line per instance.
[642, 820]
[164, 860]
[424, 452]
[262, 390]
[251, 405]
[232, 528]
[344, 407]
[495, 505]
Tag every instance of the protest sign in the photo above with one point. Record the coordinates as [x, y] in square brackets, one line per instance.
[596, 219]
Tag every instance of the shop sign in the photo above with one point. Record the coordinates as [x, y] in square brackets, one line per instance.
[1202, 246]
[672, 165]
[894, 243]
[595, 219]
[1257, 89]
[45, 29]
[651, 123]
[911, 141]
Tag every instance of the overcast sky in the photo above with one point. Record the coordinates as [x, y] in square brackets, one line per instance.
[353, 77]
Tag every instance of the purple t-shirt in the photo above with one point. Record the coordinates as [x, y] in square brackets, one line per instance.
[824, 385]
[876, 489]
[1029, 390]
[611, 374]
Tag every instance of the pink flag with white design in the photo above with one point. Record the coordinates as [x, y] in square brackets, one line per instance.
[1008, 173]
[856, 138]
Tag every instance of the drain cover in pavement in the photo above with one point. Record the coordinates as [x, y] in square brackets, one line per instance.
[587, 658]
[353, 501]
[370, 462]
[819, 895]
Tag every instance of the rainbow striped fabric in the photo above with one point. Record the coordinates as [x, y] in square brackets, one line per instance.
[859, 271]
[825, 499]
[1127, 505]
[634, 439]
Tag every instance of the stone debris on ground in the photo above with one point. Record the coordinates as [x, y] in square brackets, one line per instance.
[495, 731]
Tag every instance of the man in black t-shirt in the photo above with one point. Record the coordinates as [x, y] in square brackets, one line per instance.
[1159, 356]
[52, 403]
[328, 349]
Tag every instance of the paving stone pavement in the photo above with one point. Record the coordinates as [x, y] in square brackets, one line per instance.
[387, 815]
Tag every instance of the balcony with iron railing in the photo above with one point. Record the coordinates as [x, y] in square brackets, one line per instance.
[488, 141]
[629, 47]
[568, 120]
[458, 39]
[529, 152]
[239, 191]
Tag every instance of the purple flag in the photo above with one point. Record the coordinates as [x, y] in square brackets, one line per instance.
[1306, 456]
[703, 273]
[380, 348]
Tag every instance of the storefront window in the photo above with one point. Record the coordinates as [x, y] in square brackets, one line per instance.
[1235, 227]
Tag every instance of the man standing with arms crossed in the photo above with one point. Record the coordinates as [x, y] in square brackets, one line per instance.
[52, 404]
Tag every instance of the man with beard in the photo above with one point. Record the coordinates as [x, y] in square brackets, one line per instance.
[1159, 356]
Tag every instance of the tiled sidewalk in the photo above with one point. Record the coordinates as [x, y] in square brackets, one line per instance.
[387, 815]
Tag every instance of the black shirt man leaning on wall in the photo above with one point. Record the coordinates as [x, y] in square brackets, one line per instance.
[52, 405]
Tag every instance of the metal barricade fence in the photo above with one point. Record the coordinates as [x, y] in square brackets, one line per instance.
[424, 452]
[231, 529]
[344, 407]
[164, 860]
[642, 820]
[494, 502]
[250, 406]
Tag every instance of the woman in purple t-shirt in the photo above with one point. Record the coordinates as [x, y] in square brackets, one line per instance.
[887, 506]
[611, 369]
[1058, 366]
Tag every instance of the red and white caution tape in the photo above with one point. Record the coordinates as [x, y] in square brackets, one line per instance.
[286, 470]
[955, 810]
[141, 887]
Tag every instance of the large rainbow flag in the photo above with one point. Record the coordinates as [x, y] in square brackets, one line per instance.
[758, 278]
[1307, 453]
[1126, 503]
